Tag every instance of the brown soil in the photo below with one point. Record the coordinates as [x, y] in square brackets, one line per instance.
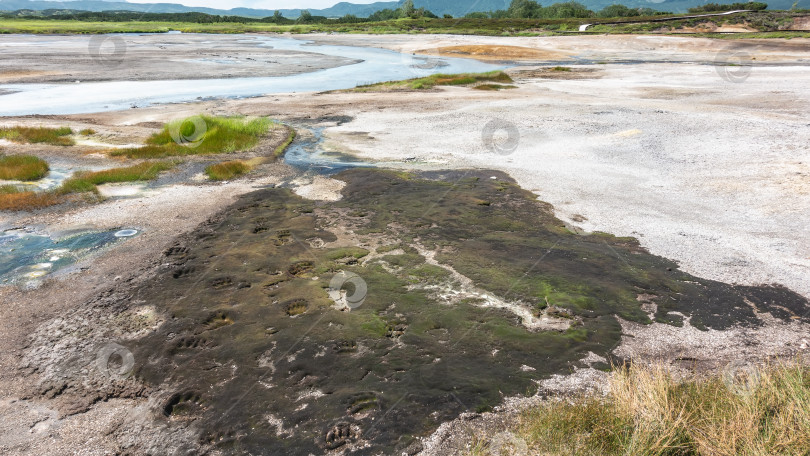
[551, 73]
[494, 52]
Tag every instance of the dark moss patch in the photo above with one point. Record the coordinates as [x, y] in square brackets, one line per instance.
[405, 360]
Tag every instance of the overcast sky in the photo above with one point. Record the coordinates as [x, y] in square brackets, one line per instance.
[258, 4]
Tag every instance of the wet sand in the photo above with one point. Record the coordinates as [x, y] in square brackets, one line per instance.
[710, 173]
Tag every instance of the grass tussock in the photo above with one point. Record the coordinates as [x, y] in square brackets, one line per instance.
[201, 135]
[38, 135]
[648, 412]
[432, 81]
[283, 146]
[14, 199]
[561, 68]
[22, 167]
[86, 181]
[227, 170]
[493, 87]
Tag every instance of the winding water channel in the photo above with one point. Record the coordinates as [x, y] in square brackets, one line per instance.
[28, 257]
[375, 65]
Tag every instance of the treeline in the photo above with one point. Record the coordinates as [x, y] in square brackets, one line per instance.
[717, 7]
[407, 10]
[518, 9]
[530, 9]
[127, 16]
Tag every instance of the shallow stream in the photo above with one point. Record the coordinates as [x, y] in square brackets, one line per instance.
[376, 65]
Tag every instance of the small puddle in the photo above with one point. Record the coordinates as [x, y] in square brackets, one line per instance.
[52, 180]
[60, 171]
[307, 153]
[26, 258]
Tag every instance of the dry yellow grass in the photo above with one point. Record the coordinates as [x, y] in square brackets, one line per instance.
[495, 52]
[17, 201]
[227, 170]
[764, 411]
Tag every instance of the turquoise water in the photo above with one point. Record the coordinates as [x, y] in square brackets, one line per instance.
[26, 257]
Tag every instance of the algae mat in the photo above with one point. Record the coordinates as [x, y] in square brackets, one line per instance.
[472, 291]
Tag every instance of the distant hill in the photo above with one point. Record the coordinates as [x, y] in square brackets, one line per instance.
[454, 7]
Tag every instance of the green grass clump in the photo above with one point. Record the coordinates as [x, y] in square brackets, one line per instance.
[434, 80]
[87, 132]
[227, 170]
[347, 252]
[22, 167]
[86, 181]
[649, 412]
[560, 68]
[38, 135]
[283, 146]
[493, 87]
[14, 199]
[201, 135]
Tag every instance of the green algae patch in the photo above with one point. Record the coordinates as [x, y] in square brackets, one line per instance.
[255, 335]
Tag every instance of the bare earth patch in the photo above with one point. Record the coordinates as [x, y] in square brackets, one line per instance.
[496, 52]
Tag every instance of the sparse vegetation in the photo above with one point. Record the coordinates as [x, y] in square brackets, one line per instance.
[432, 81]
[86, 181]
[716, 7]
[201, 135]
[22, 167]
[14, 199]
[283, 146]
[227, 170]
[36, 135]
[560, 68]
[493, 87]
[87, 132]
[649, 412]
